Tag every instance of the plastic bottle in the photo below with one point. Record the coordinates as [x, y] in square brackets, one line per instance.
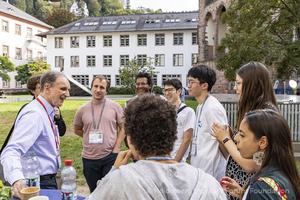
[68, 178]
[31, 166]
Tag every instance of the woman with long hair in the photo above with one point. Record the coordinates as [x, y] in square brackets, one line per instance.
[265, 134]
[254, 89]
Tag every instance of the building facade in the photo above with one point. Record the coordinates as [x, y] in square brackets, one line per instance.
[101, 45]
[18, 41]
[211, 30]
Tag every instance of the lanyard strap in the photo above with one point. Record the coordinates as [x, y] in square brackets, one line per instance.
[52, 125]
[94, 123]
[198, 115]
[159, 158]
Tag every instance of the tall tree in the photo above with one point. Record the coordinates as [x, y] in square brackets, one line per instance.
[60, 17]
[30, 69]
[266, 31]
[128, 72]
[21, 4]
[5, 66]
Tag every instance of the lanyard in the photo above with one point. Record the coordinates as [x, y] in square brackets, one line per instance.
[198, 115]
[159, 158]
[52, 125]
[94, 123]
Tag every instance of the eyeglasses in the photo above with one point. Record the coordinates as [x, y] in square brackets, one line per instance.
[141, 84]
[168, 90]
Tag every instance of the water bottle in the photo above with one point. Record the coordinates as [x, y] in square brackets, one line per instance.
[68, 178]
[31, 166]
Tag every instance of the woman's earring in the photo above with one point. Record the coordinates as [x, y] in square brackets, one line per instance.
[258, 157]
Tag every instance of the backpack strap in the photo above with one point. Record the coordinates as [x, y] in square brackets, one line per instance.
[275, 186]
[180, 109]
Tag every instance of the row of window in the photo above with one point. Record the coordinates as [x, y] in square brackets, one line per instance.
[124, 40]
[84, 79]
[142, 59]
[18, 29]
[18, 53]
[6, 84]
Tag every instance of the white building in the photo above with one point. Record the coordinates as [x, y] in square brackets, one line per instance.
[101, 45]
[18, 40]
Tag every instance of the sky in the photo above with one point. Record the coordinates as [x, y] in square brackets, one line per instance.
[167, 5]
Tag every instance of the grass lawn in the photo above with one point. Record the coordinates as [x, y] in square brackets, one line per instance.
[71, 145]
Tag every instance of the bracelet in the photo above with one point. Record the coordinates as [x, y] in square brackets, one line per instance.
[226, 140]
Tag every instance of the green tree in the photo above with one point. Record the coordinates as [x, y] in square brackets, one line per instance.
[93, 7]
[110, 7]
[30, 7]
[60, 17]
[66, 4]
[128, 72]
[21, 4]
[5, 66]
[43, 9]
[265, 31]
[24, 72]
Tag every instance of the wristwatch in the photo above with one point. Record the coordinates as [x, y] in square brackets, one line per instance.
[226, 140]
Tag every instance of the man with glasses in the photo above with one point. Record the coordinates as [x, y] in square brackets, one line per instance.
[185, 120]
[206, 152]
[143, 85]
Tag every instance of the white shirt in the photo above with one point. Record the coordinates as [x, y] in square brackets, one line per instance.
[205, 153]
[185, 120]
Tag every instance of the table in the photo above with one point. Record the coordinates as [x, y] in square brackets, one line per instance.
[54, 194]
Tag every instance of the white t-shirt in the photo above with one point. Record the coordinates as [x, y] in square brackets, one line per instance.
[185, 120]
[205, 153]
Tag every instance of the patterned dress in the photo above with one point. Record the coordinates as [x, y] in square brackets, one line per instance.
[235, 171]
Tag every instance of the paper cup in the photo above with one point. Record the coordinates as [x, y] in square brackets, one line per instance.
[27, 193]
[39, 198]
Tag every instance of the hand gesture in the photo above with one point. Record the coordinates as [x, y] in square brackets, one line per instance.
[232, 187]
[123, 158]
[220, 131]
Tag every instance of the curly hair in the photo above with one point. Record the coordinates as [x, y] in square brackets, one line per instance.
[32, 83]
[150, 121]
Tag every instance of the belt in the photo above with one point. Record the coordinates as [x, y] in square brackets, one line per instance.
[47, 176]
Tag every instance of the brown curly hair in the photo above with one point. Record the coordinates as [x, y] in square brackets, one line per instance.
[150, 121]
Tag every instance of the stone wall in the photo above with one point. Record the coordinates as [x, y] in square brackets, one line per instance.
[211, 9]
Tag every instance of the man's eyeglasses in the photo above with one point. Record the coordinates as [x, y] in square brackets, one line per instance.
[141, 84]
[168, 90]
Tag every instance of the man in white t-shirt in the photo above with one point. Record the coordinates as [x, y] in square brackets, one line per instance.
[206, 153]
[185, 120]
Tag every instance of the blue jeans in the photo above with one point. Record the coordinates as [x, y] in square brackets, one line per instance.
[95, 170]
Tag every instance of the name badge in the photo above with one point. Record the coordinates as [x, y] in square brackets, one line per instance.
[193, 149]
[95, 137]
